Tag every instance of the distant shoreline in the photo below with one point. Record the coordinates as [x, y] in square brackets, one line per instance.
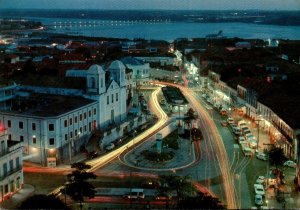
[265, 17]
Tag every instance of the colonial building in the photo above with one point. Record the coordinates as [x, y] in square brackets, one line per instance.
[54, 123]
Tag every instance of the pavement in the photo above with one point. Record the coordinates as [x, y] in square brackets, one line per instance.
[14, 201]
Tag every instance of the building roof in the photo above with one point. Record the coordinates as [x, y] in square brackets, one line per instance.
[116, 65]
[45, 105]
[132, 61]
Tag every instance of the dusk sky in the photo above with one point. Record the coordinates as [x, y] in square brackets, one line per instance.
[154, 4]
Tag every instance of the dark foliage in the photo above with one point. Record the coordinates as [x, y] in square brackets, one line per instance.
[43, 202]
[201, 201]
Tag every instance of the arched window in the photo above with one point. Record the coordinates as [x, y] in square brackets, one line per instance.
[93, 82]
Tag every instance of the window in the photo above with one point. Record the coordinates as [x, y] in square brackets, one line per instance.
[80, 129]
[117, 96]
[94, 111]
[11, 165]
[51, 127]
[21, 138]
[84, 115]
[85, 128]
[66, 123]
[75, 119]
[33, 126]
[80, 117]
[51, 141]
[66, 137]
[112, 98]
[71, 134]
[70, 121]
[34, 140]
[101, 82]
[9, 137]
[107, 97]
[21, 125]
[76, 132]
[5, 169]
[9, 123]
[90, 126]
[90, 113]
[17, 162]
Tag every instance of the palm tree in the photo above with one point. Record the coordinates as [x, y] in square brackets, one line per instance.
[78, 186]
[277, 157]
[172, 183]
[190, 116]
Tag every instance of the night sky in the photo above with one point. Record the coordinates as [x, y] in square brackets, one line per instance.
[154, 4]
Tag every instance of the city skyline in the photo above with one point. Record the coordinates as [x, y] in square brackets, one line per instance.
[154, 4]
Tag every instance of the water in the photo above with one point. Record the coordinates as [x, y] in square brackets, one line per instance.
[150, 25]
[167, 30]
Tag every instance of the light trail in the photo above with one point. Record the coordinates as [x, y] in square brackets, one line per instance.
[105, 159]
[220, 148]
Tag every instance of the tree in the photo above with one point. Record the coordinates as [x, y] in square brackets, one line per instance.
[276, 156]
[190, 116]
[201, 201]
[43, 202]
[172, 183]
[78, 186]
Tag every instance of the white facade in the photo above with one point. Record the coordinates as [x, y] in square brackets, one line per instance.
[7, 93]
[11, 173]
[51, 137]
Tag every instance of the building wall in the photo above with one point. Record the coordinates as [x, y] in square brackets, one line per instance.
[11, 173]
[41, 141]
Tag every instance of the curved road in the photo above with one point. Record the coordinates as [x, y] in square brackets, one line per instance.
[213, 136]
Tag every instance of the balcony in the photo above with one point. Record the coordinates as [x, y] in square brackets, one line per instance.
[15, 170]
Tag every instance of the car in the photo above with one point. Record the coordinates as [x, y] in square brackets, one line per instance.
[249, 137]
[262, 156]
[247, 132]
[259, 189]
[162, 102]
[223, 123]
[242, 140]
[135, 194]
[260, 180]
[247, 151]
[290, 163]
[259, 200]
[253, 144]
[230, 120]
[92, 154]
[242, 123]
[244, 129]
[110, 146]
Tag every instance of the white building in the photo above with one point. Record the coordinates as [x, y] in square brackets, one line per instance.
[54, 125]
[140, 70]
[11, 173]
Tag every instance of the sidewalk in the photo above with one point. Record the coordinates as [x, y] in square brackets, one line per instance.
[14, 201]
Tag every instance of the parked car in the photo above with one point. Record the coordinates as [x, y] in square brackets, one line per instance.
[92, 154]
[260, 180]
[290, 163]
[242, 123]
[247, 131]
[249, 137]
[242, 140]
[244, 129]
[223, 123]
[259, 200]
[230, 120]
[259, 189]
[262, 156]
[110, 146]
[247, 151]
[253, 144]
